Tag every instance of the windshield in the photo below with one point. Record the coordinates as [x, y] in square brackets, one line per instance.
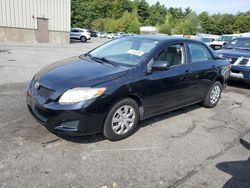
[127, 51]
[239, 44]
[225, 38]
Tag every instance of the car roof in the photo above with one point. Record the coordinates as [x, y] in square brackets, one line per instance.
[164, 38]
[243, 38]
[229, 35]
[79, 28]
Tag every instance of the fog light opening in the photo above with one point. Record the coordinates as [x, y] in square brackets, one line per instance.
[71, 125]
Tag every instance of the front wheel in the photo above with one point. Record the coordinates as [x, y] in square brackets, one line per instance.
[213, 96]
[83, 39]
[121, 120]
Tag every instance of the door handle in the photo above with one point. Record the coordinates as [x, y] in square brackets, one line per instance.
[186, 75]
[187, 72]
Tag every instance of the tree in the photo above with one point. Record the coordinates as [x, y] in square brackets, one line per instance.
[99, 24]
[166, 29]
[142, 9]
[205, 22]
[225, 24]
[129, 23]
[242, 22]
[128, 15]
[177, 13]
[189, 26]
[119, 6]
[157, 13]
[188, 10]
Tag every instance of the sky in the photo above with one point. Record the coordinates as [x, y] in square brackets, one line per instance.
[211, 6]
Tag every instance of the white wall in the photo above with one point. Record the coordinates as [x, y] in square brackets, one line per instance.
[24, 13]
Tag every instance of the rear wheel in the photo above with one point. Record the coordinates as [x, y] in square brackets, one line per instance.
[122, 120]
[213, 96]
[83, 39]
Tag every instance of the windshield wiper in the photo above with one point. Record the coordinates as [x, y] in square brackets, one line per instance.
[101, 60]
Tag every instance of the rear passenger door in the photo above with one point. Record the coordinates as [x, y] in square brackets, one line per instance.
[203, 67]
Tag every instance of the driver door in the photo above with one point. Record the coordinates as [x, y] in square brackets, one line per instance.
[169, 89]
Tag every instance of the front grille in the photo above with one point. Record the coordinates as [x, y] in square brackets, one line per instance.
[215, 47]
[45, 92]
[243, 62]
[233, 60]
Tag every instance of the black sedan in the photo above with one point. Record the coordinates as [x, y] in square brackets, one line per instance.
[112, 87]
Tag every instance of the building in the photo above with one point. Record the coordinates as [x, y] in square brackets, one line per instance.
[35, 21]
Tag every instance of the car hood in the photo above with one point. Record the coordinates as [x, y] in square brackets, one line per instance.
[234, 53]
[77, 72]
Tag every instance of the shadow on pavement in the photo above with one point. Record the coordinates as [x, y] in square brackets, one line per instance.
[79, 42]
[239, 84]
[167, 115]
[82, 139]
[239, 170]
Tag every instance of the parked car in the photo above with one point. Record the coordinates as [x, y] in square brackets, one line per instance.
[112, 87]
[244, 34]
[103, 34]
[80, 34]
[237, 51]
[119, 35]
[92, 33]
[110, 35]
[98, 34]
[222, 40]
[209, 39]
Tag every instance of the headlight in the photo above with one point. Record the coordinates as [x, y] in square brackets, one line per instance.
[80, 94]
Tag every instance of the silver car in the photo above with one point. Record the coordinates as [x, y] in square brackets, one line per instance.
[80, 34]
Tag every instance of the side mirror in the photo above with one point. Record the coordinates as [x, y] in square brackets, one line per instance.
[160, 65]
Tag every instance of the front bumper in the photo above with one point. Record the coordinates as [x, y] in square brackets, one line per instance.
[72, 120]
[241, 73]
[88, 37]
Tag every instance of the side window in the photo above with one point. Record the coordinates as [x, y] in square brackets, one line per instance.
[174, 54]
[199, 53]
[74, 30]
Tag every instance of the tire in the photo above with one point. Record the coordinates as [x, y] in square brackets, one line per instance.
[213, 96]
[83, 39]
[117, 125]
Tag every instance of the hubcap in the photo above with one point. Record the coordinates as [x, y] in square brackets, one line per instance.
[123, 119]
[215, 94]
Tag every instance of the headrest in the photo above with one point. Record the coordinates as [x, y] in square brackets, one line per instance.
[171, 50]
